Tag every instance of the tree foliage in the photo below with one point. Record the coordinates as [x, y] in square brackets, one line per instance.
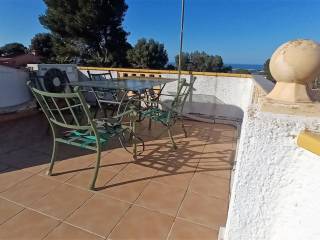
[266, 70]
[201, 61]
[42, 44]
[12, 49]
[88, 31]
[170, 67]
[148, 54]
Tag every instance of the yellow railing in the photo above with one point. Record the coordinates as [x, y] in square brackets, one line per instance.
[148, 72]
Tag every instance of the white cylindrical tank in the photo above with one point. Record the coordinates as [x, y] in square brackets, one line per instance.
[13, 88]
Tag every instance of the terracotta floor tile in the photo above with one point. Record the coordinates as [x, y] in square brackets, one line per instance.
[183, 163]
[66, 169]
[210, 185]
[207, 153]
[209, 211]
[180, 180]
[62, 201]
[219, 148]
[116, 160]
[222, 172]
[66, 151]
[156, 160]
[83, 179]
[65, 231]
[99, 215]
[26, 159]
[30, 190]
[10, 177]
[191, 146]
[8, 210]
[161, 197]
[125, 187]
[137, 170]
[212, 164]
[27, 225]
[183, 230]
[140, 223]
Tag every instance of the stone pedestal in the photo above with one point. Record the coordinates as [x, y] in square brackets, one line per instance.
[293, 65]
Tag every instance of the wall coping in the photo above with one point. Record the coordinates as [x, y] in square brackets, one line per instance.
[136, 70]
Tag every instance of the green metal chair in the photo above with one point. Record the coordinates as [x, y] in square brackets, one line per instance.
[85, 132]
[169, 117]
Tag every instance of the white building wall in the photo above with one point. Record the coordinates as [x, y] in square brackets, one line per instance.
[13, 88]
[276, 190]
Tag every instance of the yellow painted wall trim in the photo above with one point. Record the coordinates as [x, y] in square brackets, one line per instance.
[133, 70]
[309, 141]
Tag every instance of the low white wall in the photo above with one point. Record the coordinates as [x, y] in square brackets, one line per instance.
[276, 190]
[13, 88]
[219, 97]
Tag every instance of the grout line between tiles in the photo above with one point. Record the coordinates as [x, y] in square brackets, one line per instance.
[18, 181]
[51, 230]
[197, 223]
[132, 204]
[13, 215]
[185, 194]
[47, 215]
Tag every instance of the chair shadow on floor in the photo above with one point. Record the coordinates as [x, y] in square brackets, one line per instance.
[159, 155]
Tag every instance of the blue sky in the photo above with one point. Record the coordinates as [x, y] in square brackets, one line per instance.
[241, 31]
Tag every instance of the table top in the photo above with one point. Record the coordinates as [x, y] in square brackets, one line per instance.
[129, 84]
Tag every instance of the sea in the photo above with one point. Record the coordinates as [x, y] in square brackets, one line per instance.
[250, 67]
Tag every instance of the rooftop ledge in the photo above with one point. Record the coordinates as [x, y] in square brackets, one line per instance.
[135, 70]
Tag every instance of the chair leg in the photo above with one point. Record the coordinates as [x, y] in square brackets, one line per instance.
[96, 171]
[96, 112]
[134, 140]
[183, 128]
[105, 112]
[149, 127]
[172, 140]
[53, 156]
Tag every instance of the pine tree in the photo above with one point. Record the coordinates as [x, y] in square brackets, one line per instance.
[148, 54]
[88, 31]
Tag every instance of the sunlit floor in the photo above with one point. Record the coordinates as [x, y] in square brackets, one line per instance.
[164, 194]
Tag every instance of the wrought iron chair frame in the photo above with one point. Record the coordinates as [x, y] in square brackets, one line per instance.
[100, 94]
[92, 135]
[169, 117]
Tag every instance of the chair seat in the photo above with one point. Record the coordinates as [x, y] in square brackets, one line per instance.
[86, 138]
[157, 115]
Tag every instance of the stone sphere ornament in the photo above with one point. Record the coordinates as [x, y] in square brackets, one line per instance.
[294, 65]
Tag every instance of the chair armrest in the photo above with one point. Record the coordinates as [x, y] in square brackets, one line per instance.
[170, 95]
[120, 115]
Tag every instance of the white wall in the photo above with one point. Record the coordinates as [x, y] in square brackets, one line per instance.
[13, 89]
[221, 97]
[276, 190]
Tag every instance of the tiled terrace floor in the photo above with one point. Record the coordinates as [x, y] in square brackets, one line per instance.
[165, 194]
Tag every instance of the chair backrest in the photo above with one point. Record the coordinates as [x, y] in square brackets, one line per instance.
[67, 110]
[183, 92]
[100, 76]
